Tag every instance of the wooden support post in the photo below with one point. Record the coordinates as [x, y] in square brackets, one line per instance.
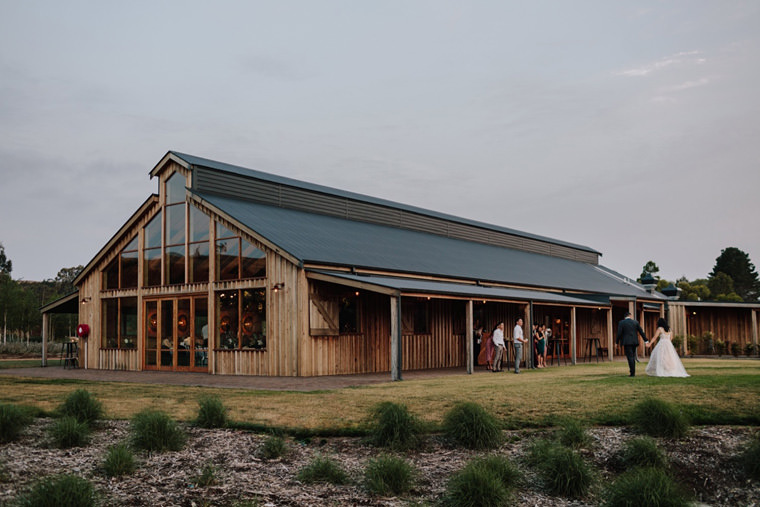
[754, 329]
[573, 336]
[470, 349]
[396, 358]
[610, 334]
[528, 335]
[45, 328]
[641, 348]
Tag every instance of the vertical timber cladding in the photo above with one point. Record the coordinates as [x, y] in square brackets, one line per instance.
[324, 350]
[444, 345]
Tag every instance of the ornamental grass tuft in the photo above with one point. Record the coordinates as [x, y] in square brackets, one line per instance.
[13, 420]
[211, 413]
[386, 475]
[392, 426]
[119, 461]
[573, 434]
[153, 430]
[471, 426]
[68, 432]
[273, 447]
[645, 486]
[563, 471]
[323, 469]
[658, 418]
[487, 481]
[59, 491]
[82, 406]
[643, 452]
[750, 458]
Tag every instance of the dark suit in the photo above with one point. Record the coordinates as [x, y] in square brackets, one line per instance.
[626, 336]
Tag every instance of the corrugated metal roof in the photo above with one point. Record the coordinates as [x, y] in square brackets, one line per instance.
[413, 285]
[311, 187]
[321, 239]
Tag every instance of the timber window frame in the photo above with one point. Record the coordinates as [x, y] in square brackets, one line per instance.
[121, 272]
[119, 321]
[333, 312]
[241, 319]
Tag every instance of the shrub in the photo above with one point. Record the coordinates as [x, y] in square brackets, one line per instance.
[68, 432]
[736, 349]
[207, 477]
[273, 447]
[388, 474]
[468, 424]
[749, 349]
[643, 452]
[658, 418]
[211, 412]
[119, 461]
[59, 491]
[153, 430]
[323, 469]
[645, 486]
[13, 420]
[573, 434]
[482, 482]
[693, 343]
[564, 471]
[751, 458]
[678, 343]
[393, 426]
[83, 406]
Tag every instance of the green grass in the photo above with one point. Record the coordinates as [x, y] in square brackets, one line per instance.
[563, 471]
[471, 426]
[153, 430]
[59, 491]
[323, 469]
[487, 481]
[750, 458]
[643, 452]
[386, 475]
[82, 406]
[273, 447]
[392, 426]
[119, 461]
[659, 418]
[13, 420]
[718, 392]
[211, 412]
[645, 486]
[27, 363]
[67, 432]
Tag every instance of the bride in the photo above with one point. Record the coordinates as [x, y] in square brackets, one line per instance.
[664, 361]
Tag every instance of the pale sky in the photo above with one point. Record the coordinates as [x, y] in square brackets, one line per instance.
[629, 127]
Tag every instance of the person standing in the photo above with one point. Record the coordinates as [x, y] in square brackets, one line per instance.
[498, 342]
[541, 346]
[626, 336]
[519, 338]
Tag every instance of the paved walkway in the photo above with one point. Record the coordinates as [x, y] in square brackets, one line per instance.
[326, 382]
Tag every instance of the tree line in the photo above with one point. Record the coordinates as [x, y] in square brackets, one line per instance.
[20, 302]
[733, 278]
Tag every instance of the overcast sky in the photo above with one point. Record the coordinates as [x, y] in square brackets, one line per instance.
[629, 127]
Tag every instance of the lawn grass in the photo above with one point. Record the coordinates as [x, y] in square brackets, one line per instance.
[27, 363]
[718, 392]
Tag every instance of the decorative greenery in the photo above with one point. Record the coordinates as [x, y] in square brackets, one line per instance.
[573, 434]
[207, 477]
[487, 481]
[693, 343]
[750, 458]
[658, 418]
[69, 432]
[59, 491]
[470, 425]
[563, 471]
[273, 447]
[211, 412]
[119, 461]
[643, 452]
[645, 486]
[720, 347]
[13, 420]
[393, 426]
[388, 475]
[750, 349]
[83, 406]
[678, 343]
[707, 345]
[153, 430]
[736, 349]
[323, 469]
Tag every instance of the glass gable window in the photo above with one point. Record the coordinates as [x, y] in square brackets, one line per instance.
[175, 188]
[237, 258]
[121, 273]
[152, 252]
[198, 253]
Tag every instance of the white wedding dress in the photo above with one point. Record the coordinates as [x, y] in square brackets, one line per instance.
[664, 361]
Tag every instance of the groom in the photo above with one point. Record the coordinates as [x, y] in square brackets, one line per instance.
[626, 336]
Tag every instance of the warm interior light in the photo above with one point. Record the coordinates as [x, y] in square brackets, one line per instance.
[276, 287]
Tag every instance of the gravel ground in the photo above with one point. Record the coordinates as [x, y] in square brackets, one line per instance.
[704, 462]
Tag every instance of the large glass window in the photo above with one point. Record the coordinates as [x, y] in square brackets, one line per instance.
[175, 188]
[119, 318]
[121, 273]
[175, 244]
[348, 316]
[237, 258]
[241, 319]
[198, 253]
[152, 252]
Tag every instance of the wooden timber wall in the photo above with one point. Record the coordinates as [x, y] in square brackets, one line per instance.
[115, 359]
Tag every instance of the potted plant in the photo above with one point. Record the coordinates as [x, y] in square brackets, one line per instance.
[678, 343]
[735, 349]
[693, 342]
[749, 349]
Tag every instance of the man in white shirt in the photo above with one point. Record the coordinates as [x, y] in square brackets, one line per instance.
[498, 342]
[519, 340]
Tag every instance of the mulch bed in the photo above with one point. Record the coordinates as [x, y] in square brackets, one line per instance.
[704, 462]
